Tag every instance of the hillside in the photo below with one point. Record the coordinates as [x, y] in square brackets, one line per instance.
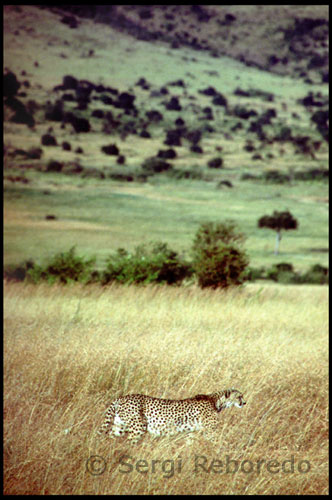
[284, 39]
[99, 107]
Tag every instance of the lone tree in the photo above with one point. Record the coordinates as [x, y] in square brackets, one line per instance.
[278, 221]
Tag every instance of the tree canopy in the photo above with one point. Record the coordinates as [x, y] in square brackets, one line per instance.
[278, 221]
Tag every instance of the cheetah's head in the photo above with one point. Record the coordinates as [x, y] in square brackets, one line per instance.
[228, 398]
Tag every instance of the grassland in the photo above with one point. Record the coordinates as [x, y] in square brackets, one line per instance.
[70, 351]
[99, 218]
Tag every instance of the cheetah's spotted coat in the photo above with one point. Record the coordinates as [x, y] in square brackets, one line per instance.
[137, 414]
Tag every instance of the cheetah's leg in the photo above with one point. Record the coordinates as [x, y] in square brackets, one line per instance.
[137, 427]
[106, 427]
[210, 430]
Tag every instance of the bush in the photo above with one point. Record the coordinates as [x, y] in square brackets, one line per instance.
[255, 273]
[215, 163]
[122, 176]
[194, 172]
[224, 268]
[145, 14]
[285, 273]
[317, 275]
[275, 177]
[150, 263]
[248, 177]
[284, 134]
[64, 267]
[282, 272]
[155, 165]
[313, 174]
[54, 166]
[19, 273]
[218, 257]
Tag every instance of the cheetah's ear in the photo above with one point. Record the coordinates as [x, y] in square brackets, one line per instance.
[227, 393]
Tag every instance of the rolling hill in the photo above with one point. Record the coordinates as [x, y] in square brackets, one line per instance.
[194, 105]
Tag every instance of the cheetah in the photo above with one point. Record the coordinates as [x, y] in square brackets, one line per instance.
[137, 414]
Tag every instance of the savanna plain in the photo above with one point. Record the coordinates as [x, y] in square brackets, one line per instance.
[70, 350]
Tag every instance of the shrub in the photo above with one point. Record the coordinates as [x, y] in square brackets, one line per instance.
[111, 149]
[54, 166]
[275, 177]
[219, 100]
[265, 96]
[243, 113]
[48, 140]
[194, 172]
[19, 273]
[145, 14]
[284, 134]
[321, 118]
[173, 138]
[155, 165]
[10, 84]
[122, 176]
[93, 173]
[247, 176]
[210, 233]
[316, 275]
[150, 263]
[282, 272]
[223, 268]
[64, 267]
[218, 257]
[194, 136]
[312, 174]
[285, 273]
[54, 112]
[255, 273]
[167, 154]
[215, 163]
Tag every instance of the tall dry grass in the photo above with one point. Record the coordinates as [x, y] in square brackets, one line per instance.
[70, 350]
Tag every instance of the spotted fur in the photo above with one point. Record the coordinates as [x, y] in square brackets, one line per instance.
[136, 414]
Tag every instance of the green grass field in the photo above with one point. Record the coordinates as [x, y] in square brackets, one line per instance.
[70, 350]
[99, 217]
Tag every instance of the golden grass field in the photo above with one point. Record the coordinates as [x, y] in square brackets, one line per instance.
[70, 350]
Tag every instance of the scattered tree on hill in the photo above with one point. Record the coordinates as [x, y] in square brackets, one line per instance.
[278, 221]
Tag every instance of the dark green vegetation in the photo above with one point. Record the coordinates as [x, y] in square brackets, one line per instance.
[154, 263]
[113, 140]
[218, 261]
[218, 257]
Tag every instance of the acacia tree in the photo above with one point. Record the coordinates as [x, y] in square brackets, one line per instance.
[278, 221]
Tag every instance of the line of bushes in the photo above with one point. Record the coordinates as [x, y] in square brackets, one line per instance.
[274, 176]
[217, 261]
[150, 263]
[285, 273]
